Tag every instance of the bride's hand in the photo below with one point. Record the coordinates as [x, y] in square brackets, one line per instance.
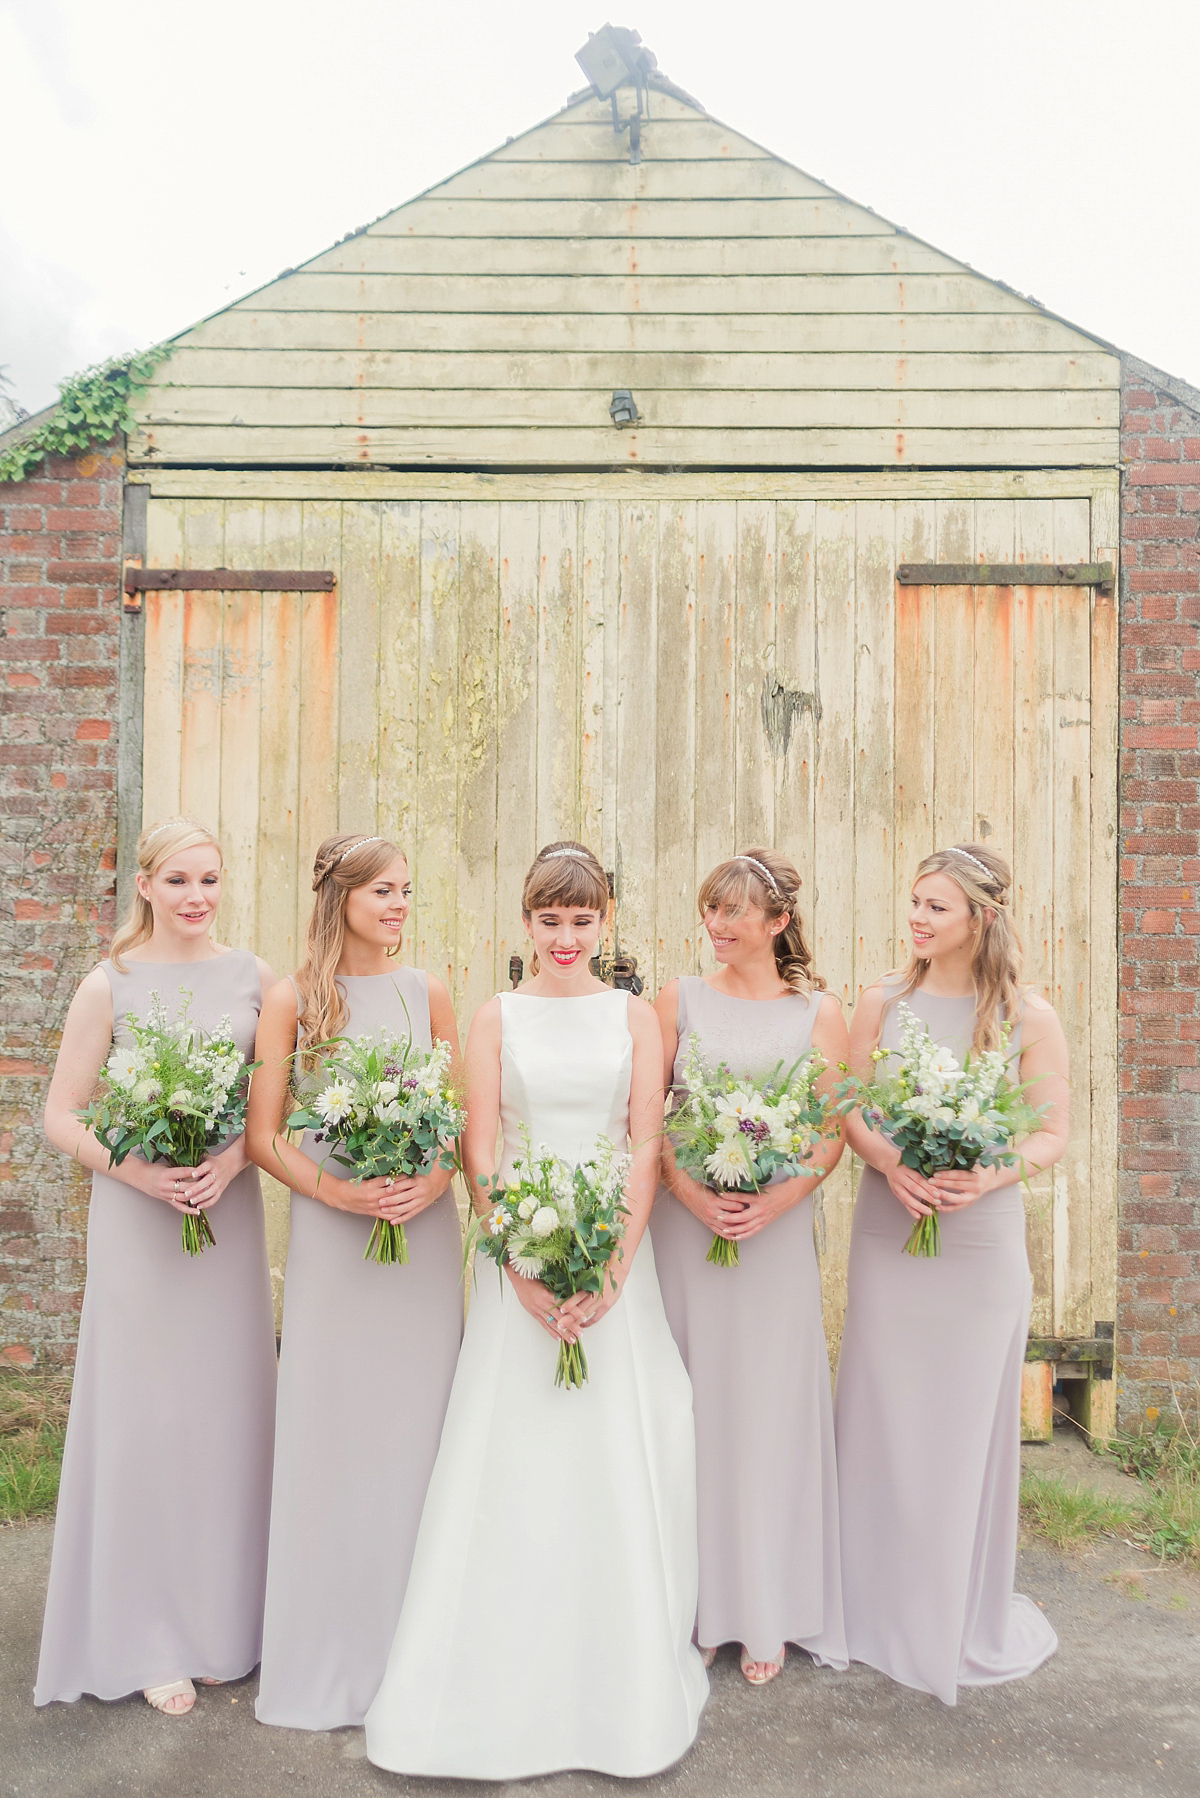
[558, 1321]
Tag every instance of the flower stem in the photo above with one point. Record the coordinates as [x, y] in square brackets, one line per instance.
[572, 1365]
[723, 1253]
[197, 1232]
[926, 1237]
[388, 1244]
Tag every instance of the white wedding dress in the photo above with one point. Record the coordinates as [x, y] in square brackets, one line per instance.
[548, 1618]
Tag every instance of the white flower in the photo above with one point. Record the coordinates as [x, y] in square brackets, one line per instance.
[523, 1261]
[123, 1067]
[181, 1096]
[728, 1163]
[388, 1113]
[389, 1090]
[496, 1223]
[147, 1090]
[968, 1111]
[526, 1209]
[335, 1102]
[544, 1222]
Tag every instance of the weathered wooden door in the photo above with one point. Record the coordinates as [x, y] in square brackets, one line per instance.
[671, 679]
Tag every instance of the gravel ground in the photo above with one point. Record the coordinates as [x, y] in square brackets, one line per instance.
[1115, 1714]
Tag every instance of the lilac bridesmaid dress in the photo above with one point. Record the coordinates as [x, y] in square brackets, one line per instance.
[928, 1429]
[365, 1371]
[160, 1543]
[753, 1342]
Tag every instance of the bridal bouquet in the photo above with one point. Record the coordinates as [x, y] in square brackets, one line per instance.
[941, 1114]
[738, 1133]
[560, 1224]
[173, 1093]
[390, 1109]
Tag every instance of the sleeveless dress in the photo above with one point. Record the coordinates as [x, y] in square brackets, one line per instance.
[160, 1542]
[549, 1613]
[753, 1341]
[928, 1428]
[365, 1367]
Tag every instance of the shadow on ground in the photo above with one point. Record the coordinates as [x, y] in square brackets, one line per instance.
[1113, 1715]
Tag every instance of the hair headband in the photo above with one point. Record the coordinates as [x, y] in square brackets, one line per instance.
[765, 872]
[553, 855]
[361, 844]
[975, 863]
[170, 824]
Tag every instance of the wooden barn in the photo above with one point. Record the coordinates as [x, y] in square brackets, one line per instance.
[634, 485]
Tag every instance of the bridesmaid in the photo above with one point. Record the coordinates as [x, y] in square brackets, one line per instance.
[160, 1544]
[929, 1380]
[368, 1350]
[751, 1336]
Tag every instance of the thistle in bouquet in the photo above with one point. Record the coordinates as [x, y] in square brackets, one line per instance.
[385, 1108]
[174, 1093]
[737, 1134]
[559, 1224]
[941, 1113]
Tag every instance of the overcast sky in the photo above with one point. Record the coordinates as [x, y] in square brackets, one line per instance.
[162, 157]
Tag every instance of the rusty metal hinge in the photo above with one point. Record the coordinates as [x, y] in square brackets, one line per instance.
[1006, 574]
[229, 580]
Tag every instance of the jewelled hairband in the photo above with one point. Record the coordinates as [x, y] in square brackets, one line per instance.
[349, 850]
[553, 855]
[765, 872]
[169, 824]
[974, 861]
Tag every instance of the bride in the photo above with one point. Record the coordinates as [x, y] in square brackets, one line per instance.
[548, 1618]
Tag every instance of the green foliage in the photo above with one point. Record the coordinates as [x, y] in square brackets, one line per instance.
[33, 1423]
[1167, 1462]
[93, 406]
[1068, 1516]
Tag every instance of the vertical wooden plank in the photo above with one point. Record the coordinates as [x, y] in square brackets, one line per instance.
[1033, 837]
[558, 719]
[1105, 539]
[992, 749]
[637, 713]
[954, 679]
[399, 678]
[240, 697]
[874, 944]
[516, 726]
[200, 765]
[162, 699]
[358, 667]
[599, 633]
[319, 647]
[716, 555]
[833, 909]
[913, 705]
[677, 922]
[794, 706]
[479, 605]
[278, 873]
[1072, 903]
[437, 742]
[754, 671]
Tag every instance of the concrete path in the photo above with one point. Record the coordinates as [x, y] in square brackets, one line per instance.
[1116, 1714]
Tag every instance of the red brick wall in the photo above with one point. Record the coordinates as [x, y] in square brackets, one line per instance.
[1158, 1309]
[60, 550]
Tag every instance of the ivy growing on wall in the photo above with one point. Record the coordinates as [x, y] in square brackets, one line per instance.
[93, 406]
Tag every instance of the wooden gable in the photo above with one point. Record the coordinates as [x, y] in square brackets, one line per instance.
[759, 318]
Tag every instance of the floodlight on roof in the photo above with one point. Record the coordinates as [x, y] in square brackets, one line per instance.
[610, 57]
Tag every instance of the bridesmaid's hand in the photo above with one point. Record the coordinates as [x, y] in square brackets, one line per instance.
[407, 1195]
[718, 1210]
[363, 1197]
[919, 1197]
[961, 1186]
[188, 1189]
[558, 1321]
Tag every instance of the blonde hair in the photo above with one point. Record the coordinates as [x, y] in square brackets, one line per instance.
[765, 878]
[342, 863]
[985, 879]
[157, 843]
[565, 874]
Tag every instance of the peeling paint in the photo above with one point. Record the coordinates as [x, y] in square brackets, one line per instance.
[781, 706]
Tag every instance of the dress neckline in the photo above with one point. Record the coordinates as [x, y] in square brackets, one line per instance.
[736, 998]
[606, 992]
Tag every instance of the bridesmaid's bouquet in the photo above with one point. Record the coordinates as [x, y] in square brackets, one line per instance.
[175, 1094]
[560, 1224]
[942, 1114]
[738, 1133]
[390, 1109]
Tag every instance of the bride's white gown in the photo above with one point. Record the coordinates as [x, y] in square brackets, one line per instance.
[548, 1618]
